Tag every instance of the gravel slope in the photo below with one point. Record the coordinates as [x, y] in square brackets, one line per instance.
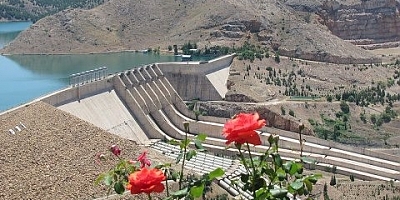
[54, 157]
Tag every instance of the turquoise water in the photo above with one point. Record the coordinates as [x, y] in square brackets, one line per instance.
[10, 30]
[26, 77]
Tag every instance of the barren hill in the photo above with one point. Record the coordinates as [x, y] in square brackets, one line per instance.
[132, 25]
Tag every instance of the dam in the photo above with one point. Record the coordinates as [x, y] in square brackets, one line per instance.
[146, 105]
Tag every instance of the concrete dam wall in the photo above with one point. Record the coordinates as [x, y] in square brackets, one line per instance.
[199, 80]
[142, 105]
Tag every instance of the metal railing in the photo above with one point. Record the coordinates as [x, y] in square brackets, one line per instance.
[87, 76]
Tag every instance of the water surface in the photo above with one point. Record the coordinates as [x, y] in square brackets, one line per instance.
[26, 77]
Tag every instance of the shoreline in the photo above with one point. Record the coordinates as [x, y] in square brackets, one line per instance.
[107, 52]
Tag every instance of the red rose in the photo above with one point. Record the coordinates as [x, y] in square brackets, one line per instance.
[115, 150]
[144, 160]
[242, 128]
[146, 180]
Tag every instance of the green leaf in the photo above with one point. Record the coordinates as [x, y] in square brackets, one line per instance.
[287, 166]
[173, 142]
[297, 185]
[270, 172]
[308, 184]
[296, 167]
[263, 158]
[99, 178]
[165, 165]
[271, 140]
[216, 173]
[279, 193]
[201, 137]
[175, 175]
[190, 154]
[314, 178]
[308, 160]
[261, 193]
[178, 159]
[180, 193]
[197, 191]
[277, 160]
[119, 187]
[108, 179]
[184, 143]
[281, 174]
[198, 145]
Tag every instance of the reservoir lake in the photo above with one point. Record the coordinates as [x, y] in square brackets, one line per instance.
[24, 78]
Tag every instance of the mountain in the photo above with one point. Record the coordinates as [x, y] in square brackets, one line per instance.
[119, 25]
[33, 10]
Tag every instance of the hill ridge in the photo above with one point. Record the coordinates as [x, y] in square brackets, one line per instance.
[134, 25]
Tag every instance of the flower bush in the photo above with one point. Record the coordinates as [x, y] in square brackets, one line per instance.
[267, 176]
[146, 181]
[242, 128]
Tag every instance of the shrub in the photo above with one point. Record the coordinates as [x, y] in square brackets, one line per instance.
[333, 180]
[291, 113]
[344, 107]
[373, 118]
[277, 59]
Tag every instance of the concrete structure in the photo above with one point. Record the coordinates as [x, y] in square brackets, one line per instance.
[199, 80]
[141, 104]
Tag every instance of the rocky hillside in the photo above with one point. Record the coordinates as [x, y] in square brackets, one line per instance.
[132, 25]
[33, 10]
[294, 91]
[364, 22]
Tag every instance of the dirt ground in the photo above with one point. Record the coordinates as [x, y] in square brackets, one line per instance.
[358, 190]
[389, 55]
[54, 157]
[319, 79]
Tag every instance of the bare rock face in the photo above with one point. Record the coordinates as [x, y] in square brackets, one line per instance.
[234, 97]
[278, 121]
[367, 22]
[274, 119]
[237, 29]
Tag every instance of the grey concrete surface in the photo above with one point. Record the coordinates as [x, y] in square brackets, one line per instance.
[107, 111]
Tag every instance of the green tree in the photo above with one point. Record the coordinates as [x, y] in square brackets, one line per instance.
[291, 113]
[363, 118]
[373, 118]
[283, 111]
[333, 180]
[344, 107]
[277, 59]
